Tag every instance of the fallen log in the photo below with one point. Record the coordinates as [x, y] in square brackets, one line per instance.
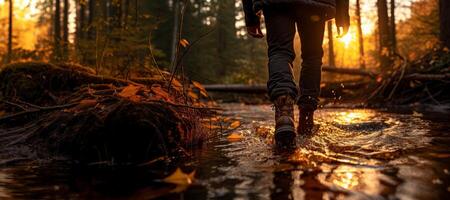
[262, 88]
[428, 77]
[348, 71]
[237, 88]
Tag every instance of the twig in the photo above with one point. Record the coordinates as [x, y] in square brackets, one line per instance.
[14, 104]
[187, 51]
[153, 57]
[27, 112]
[428, 77]
[431, 96]
[405, 63]
[183, 105]
[174, 63]
[27, 104]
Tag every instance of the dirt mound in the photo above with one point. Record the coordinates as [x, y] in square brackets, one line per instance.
[67, 111]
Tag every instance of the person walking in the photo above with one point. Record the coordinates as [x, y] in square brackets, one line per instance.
[282, 18]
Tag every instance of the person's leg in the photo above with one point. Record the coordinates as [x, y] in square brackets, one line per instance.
[311, 25]
[311, 29]
[280, 26]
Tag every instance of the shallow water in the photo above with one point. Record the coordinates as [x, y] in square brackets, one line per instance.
[356, 154]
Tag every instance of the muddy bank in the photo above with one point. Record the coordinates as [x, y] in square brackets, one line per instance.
[66, 111]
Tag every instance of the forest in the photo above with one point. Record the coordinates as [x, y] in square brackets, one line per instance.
[171, 99]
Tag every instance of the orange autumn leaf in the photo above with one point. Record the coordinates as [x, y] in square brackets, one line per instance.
[211, 126]
[226, 119]
[158, 91]
[85, 103]
[235, 137]
[192, 95]
[180, 178]
[235, 124]
[201, 88]
[215, 119]
[177, 85]
[129, 91]
[184, 42]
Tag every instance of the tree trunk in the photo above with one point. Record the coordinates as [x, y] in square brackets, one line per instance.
[444, 15]
[91, 20]
[10, 31]
[66, 29]
[126, 13]
[115, 13]
[362, 61]
[81, 17]
[226, 33]
[383, 32]
[176, 23]
[393, 31]
[136, 12]
[331, 57]
[57, 31]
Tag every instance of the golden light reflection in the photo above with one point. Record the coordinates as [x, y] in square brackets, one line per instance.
[355, 116]
[358, 179]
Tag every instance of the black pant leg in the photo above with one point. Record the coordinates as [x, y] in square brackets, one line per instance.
[280, 25]
[311, 27]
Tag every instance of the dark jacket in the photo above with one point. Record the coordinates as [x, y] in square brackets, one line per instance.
[332, 8]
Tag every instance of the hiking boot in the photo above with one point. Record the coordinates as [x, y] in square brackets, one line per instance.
[305, 122]
[284, 121]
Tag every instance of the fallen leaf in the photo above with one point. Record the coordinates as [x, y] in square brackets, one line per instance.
[198, 85]
[215, 119]
[235, 124]
[177, 85]
[201, 88]
[193, 95]
[85, 103]
[184, 42]
[211, 126]
[180, 178]
[129, 91]
[263, 131]
[157, 90]
[226, 119]
[235, 137]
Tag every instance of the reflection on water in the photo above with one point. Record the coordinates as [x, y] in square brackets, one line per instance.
[356, 154]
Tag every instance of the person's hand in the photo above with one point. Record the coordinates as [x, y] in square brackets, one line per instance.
[255, 31]
[342, 17]
[342, 30]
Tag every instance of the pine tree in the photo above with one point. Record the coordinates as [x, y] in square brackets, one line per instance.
[331, 57]
[383, 34]
[66, 29]
[57, 31]
[10, 31]
[444, 15]
[362, 62]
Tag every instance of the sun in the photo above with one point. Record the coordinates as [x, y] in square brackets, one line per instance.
[346, 39]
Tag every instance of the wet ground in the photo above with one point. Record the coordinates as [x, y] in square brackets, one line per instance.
[356, 154]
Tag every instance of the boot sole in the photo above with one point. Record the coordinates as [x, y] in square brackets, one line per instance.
[285, 135]
[285, 129]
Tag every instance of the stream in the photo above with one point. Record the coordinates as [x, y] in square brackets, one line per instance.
[355, 154]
